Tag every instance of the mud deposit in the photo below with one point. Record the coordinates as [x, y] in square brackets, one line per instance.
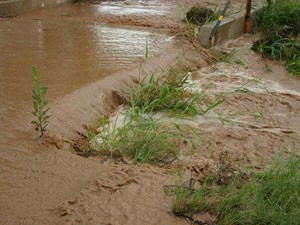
[85, 51]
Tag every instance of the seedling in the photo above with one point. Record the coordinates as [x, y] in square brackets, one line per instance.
[40, 103]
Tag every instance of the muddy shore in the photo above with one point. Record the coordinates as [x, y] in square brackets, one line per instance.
[49, 184]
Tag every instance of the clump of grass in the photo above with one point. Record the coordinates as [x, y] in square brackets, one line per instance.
[171, 93]
[144, 140]
[293, 65]
[280, 48]
[271, 197]
[220, 55]
[200, 15]
[189, 201]
[280, 17]
[280, 23]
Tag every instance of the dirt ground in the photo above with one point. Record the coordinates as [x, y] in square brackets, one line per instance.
[50, 185]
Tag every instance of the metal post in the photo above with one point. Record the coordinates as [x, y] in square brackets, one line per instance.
[221, 17]
[247, 26]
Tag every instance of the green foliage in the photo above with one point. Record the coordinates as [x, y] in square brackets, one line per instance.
[280, 17]
[40, 103]
[144, 140]
[272, 197]
[293, 65]
[190, 201]
[280, 22]
[225, 56]
[280, 48]
[171, 93]
[200, 15]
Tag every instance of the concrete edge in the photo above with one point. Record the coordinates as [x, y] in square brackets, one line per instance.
[11, 8]
[231, 27]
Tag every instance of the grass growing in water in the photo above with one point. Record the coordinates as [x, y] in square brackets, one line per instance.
[280, 22]
[280, 48]
[172, 93]
[40, 103]
[280, 17]
[271, 197]
[144, 140]
[200, 15]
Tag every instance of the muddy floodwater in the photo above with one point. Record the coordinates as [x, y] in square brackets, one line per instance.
[85, 51]
[69, 53]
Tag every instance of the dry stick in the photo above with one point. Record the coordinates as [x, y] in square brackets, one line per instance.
[215, 29]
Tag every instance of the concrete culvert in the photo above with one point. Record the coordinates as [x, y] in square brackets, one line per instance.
[199, 14]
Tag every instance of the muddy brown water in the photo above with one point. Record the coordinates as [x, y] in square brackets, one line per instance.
[78, 55]
[70, 53]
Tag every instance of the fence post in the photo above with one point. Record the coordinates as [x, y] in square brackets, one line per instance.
[247, 26]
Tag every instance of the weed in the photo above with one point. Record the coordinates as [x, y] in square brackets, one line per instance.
[171, 93]
[143, 140]
[293, 65]
[40, 103]
[147, 50]
[200, 15]
[188, 200]
[280, 48]
[225, 56]
[280, 22]
[280, 17]
[271, 197]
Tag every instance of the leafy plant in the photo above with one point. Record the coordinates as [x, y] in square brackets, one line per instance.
[220, 55]
[143, 140]
[172, 92]
[293, 65]
[280, 17]
[271, 197]
[200, 15]
[280, 48]
[279, 21]
[40, 103]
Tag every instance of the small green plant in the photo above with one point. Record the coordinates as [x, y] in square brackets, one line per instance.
[171, 92]
[200, 15]
[281, 17]
[40, 103]
[220, 55]
[271, 197]
[293, 65]
[147, 50]
[143, 140]
[280, 48]
[279, 21]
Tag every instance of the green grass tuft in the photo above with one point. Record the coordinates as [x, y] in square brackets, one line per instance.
[280, 17]
[280, 23]
[172, 93]
[272, 197]
[280, 48]
[145, 140]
